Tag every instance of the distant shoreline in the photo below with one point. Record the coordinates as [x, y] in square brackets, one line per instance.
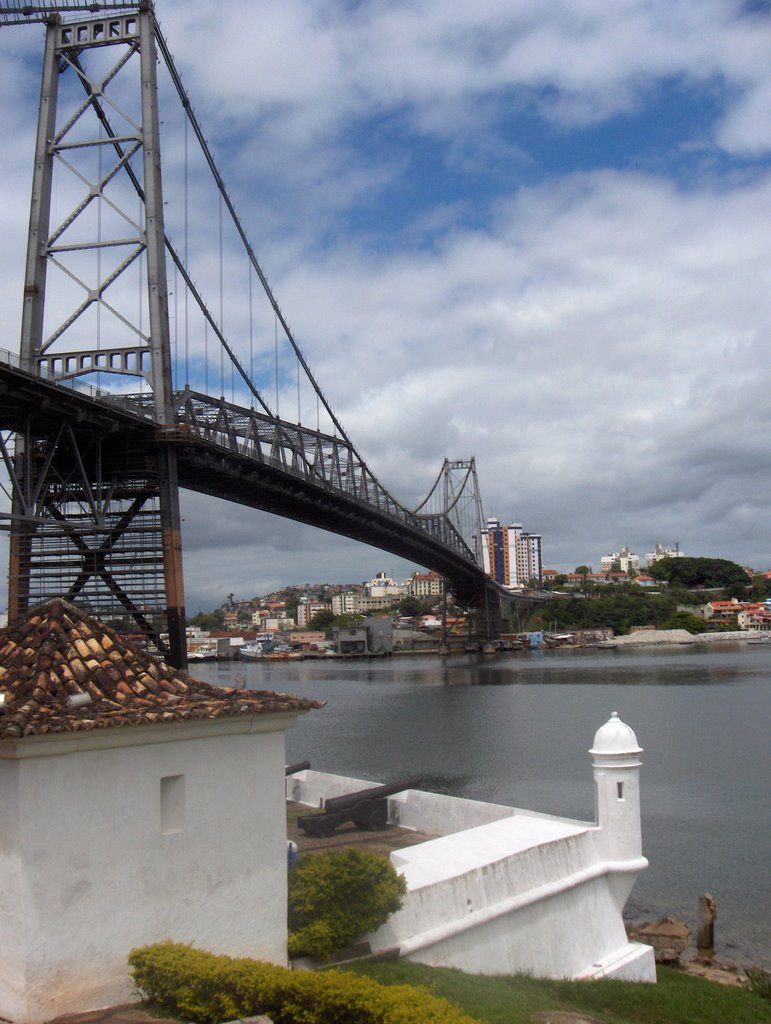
[651, 638]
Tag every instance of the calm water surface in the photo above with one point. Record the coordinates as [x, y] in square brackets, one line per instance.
[515, 729]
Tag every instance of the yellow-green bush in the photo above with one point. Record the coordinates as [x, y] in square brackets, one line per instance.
[198, 986]
[336, 897]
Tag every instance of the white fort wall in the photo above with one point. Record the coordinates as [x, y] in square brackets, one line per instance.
[115, 838]
[502, 889]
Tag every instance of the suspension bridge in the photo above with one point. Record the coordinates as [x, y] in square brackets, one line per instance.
[129, 383]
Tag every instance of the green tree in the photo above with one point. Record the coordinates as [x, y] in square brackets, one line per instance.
[346, 619]
[710, 573]
[583, 570]
[410, 605]
[321, 620]
[685, 620]
[620, 609]
[335, 898]
[291, 601]
[208, 620]
[737, 589]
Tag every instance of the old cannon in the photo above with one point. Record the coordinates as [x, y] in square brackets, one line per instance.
[293, 769]
[366, 808]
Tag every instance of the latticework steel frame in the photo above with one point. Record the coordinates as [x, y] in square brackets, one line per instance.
[102, 533]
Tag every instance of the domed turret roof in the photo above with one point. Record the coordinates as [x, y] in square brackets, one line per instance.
[615, 738]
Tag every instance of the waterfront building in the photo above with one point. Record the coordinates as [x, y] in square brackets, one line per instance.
[511, 555]
[308, 639]
[756, 618]
[373, 637]
[741, 614]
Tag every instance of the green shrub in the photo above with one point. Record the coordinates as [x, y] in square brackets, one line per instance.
[197, 986]
[335, 898]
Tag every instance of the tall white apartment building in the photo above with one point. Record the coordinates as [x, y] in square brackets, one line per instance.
[307, 609]
[346, 603]
[626, 560]
[429, 584]
[511, 555]
[659, 552]
[383, 586]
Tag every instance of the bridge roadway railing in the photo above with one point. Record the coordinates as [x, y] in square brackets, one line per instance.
[320, 459]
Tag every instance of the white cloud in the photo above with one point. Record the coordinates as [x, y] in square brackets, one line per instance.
[308, 71]
[595, 337]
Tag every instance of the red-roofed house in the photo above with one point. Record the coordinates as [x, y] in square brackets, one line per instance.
[727, 611]
[136, 804]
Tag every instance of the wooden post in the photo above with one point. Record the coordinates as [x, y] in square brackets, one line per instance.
[705, 931]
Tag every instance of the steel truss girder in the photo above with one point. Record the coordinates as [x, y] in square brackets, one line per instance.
[319, 459]
[226, 451]
[87, 523]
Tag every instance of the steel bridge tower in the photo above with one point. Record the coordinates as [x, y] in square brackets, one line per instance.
[96, 518]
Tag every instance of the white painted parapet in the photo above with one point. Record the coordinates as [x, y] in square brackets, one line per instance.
[504, 890]
[434, 814]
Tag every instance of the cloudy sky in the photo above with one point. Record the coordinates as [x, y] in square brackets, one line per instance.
[532, 233]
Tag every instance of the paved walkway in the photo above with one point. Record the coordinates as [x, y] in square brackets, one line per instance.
[128, 1013]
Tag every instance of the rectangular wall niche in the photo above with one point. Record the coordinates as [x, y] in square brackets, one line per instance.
[172, 804]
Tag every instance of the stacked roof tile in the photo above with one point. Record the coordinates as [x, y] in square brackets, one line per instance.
[62, 671]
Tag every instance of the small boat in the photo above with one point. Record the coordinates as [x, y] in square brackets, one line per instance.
[252, 651]
[260, 650]
[202, 651]
[282, 656]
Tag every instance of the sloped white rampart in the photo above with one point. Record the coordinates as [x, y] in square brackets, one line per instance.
[502, 889]
[520, 894]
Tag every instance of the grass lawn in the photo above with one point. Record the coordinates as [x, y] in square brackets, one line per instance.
[676, 999]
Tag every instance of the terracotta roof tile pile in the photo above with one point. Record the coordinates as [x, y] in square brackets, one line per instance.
[62, 671]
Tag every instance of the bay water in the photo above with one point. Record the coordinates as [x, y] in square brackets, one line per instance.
[515, 729]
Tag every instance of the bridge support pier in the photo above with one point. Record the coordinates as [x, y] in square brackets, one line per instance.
[171, 541]
[101, 529]
[87, 526]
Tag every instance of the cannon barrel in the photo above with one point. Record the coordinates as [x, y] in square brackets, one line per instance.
[349, 800]
[292, 769]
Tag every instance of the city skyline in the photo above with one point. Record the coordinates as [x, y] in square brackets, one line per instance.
[530, 235]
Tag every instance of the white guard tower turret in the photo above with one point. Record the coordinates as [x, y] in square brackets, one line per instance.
[617, 764]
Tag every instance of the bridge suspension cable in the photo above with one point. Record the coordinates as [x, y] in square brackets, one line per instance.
[145, 446]
[185, 100]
